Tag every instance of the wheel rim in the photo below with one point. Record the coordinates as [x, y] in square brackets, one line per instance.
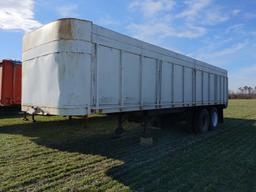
[214, 119]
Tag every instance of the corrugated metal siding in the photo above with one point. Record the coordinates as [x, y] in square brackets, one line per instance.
[10, 83]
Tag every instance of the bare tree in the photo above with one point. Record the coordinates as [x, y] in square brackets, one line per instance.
[245, 89]
[241, 89]
[250, 90]
[245, 92]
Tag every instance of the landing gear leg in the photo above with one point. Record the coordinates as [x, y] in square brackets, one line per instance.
[86, 121]
[25, 117]
[119, 130]
[33, 118]
[146, 138]
[145, 123]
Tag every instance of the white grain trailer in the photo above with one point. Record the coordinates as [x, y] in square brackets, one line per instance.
[73, 67]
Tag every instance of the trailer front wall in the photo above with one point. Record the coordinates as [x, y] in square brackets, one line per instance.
[57, 68]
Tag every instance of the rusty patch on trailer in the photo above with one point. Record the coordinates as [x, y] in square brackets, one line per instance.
[65, 30]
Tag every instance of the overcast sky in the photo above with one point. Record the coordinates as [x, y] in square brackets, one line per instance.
[222, 33]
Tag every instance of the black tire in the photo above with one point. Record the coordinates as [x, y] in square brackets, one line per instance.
[214, 119]
[201, 121]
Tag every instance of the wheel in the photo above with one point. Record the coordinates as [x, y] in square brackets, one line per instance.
[214, 119]
[201, 121]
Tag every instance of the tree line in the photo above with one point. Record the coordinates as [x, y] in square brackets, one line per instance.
[245, 92]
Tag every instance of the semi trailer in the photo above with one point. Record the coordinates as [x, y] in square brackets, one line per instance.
[10, 83]
[72, 67]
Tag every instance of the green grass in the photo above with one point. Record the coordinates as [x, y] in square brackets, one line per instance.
[59, 155]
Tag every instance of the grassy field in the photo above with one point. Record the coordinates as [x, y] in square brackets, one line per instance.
[59, 155]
